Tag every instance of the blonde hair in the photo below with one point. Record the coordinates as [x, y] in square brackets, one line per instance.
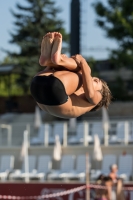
[106, 97]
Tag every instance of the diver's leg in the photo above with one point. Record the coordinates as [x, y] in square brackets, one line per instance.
[71, 81]
[58, 59]
[46, 47]
[51, 53]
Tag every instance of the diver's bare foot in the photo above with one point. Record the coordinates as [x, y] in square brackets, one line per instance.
[46, 48]
[56, 50]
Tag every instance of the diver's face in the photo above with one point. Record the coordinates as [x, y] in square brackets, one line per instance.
[97, 83]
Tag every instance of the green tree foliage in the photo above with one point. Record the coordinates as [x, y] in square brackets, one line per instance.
[119, 89]
[32, 21]
[9, 60]
[115, 17]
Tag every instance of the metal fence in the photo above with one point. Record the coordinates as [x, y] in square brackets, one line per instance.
[120, 132]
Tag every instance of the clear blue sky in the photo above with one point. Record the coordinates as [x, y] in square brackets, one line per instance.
[93, 38]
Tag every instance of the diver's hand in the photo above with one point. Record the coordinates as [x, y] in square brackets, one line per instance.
[79, 59]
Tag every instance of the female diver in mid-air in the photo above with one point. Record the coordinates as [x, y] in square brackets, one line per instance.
[65, 88]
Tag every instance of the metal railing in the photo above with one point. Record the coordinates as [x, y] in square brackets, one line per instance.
[12, 134]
